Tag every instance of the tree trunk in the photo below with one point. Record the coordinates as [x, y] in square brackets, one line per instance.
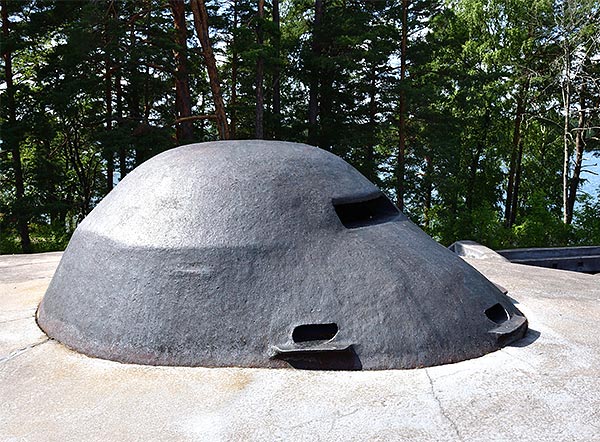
[12, 142]
[324, 137]
[370, 160]
[234, 67]
[108, 152]
[401, 156]
[119, 99]
[472, 181]
[428, 191]
[579, 147]
[260, 73]
[566, 95]
[183, 100]
[133, 97]
[203, 111]
[142, 151]
[313, 94]
[201, 25]
[515, 195]
[110, 157]
[472, 177]
[516, 156]
[276, 73]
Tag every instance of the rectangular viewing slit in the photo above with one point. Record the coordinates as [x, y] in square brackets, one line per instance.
[376, 210]
[314, 332]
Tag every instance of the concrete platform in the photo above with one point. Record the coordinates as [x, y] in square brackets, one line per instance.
[544, 388]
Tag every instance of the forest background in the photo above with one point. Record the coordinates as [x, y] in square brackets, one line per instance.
[479, 119]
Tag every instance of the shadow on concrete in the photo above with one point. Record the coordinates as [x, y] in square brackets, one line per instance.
[530, 337]
[338, 360]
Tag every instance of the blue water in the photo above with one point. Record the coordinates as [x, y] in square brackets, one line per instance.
[592, 184]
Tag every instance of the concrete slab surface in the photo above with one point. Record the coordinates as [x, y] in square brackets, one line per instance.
[543, 388]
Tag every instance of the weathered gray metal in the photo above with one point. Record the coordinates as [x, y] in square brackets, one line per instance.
[256, 253]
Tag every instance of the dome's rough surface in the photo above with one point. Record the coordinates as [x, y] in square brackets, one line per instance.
[253, 253]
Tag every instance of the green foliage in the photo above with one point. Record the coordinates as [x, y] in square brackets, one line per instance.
[44, 238]
[539, 227]
[94, 98]
[587, 221]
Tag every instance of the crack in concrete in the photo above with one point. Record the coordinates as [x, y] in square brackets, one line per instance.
[21, 310]
[16, 319]
[20, 351]
[341, 416]
[336, 416]
[442, 410]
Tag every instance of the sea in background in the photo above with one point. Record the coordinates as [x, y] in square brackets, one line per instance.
[592, 184]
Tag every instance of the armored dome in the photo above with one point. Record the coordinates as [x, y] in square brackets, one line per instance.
[264, 254]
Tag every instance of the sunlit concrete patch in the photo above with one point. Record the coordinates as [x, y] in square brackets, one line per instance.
[26, 268]
[17, 335]
[543, 388]
[65, 389]
[289, 405]
[23, 281]
[538, 281]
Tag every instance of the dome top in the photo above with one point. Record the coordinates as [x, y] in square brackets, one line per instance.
[263, 254]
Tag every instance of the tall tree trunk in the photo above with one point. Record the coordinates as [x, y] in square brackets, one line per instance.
[108, 152]
[276, 105]
[428, 191]
[234, 68]
[119, 99]
[110, 156]
[142, 151]
[183, 100]
[516, 155]
[472, 176]
[147, 101]
[472, 180]
[401, 156]
[313, 93]
[203, 100]
[566, 95]
[324, 136]
[371, 167]
[260, 73]
[579, 147]
[472, 183]
[12, 142]
[133, 95]
[201, 25]
[515, 195]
